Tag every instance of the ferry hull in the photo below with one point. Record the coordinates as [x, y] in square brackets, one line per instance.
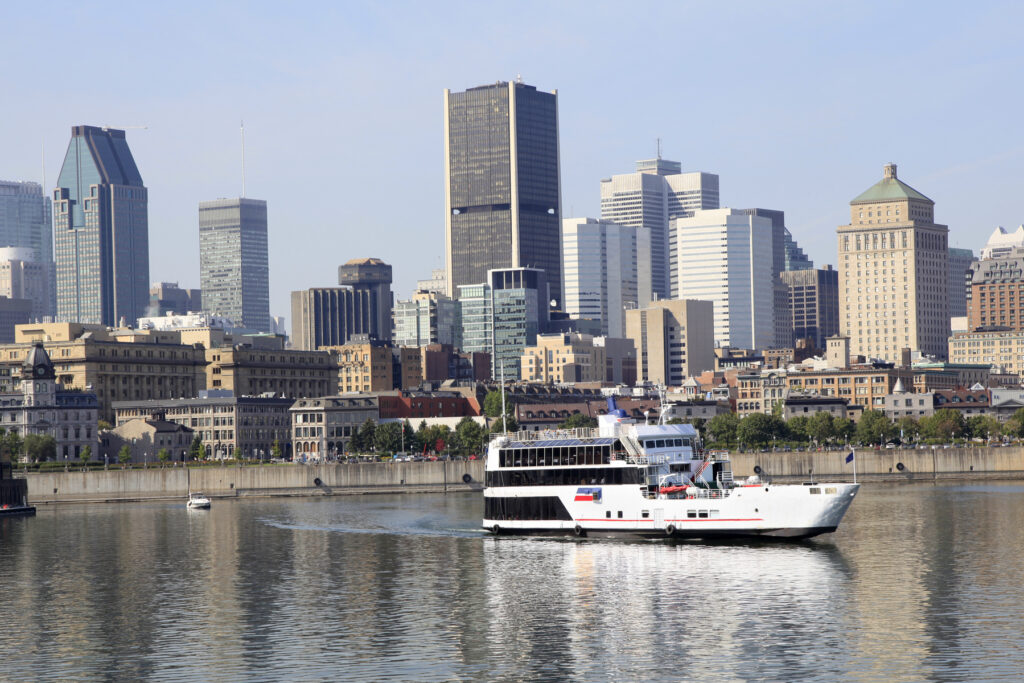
[794, 534]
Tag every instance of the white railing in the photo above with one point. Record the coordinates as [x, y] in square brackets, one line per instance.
[546, 434]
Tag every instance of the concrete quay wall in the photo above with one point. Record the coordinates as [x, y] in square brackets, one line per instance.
[175, 482]
[883, 465]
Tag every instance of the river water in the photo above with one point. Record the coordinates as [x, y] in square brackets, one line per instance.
[921, 582]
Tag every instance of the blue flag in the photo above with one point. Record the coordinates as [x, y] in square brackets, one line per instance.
[849, 458]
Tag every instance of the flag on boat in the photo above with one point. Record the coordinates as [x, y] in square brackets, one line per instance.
[849, 458]
[588, 495]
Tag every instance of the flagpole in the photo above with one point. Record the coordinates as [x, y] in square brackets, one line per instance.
[854, 465]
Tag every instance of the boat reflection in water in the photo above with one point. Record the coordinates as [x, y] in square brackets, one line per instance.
[691, 611]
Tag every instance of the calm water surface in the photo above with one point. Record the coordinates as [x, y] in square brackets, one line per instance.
[922, 582]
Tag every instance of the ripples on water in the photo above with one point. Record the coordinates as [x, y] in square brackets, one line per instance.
[920, 583]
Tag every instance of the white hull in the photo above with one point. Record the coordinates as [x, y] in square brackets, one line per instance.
[764, 510]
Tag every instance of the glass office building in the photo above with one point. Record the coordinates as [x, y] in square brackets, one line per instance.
[503, 316]
[26, 226]
[234, 267]
[502, 196]
[101, 231]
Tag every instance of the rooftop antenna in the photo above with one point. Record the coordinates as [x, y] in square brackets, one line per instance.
[659, 147]
[241, 127]
[519, 78]
[42, 154]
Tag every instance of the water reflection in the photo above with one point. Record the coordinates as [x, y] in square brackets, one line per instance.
[920, 583]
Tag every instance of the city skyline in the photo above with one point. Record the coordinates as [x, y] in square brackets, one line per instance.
[809, 129]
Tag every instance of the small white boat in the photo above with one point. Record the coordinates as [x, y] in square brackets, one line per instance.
[198, 501]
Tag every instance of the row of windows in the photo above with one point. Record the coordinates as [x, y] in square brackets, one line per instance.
[580, 476]
[534, 508]
[563, 455]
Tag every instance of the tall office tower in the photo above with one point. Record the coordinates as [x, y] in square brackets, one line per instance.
[894, 272]
[502, 316]
[234, 266]
[959, 264]
[814, 302]
[649, 198]
[674, 339]
[796, 259]
[26, 223]
[373, 276]
[1002, 243]
[168, 297]
[101, 230]
[780, 292]
[725, 256]
[426, 318]
[23, 277]
[502, 195]
[331, 316]
[605, 271]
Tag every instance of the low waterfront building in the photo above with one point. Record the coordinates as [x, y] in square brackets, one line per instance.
[564, 359]
[990, 347]
[970, 402]
[412, 405]
[322, 428]
[865, 385]
[808, 406]
[222, 421]
[145, 438]
[901, 403]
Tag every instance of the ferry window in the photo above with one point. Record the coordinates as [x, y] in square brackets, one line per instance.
[692, 514]
[608, 514]
[645, 514]
[660, 443]
[703, 514]
[686, 442]
[677, 443]
[831, 490]
[815, 491]
[620, 514]
[714, 513]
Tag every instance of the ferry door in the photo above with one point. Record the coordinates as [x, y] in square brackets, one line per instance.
[659, 518]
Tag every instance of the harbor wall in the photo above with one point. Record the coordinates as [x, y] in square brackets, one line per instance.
[885, 465]
[280, 480]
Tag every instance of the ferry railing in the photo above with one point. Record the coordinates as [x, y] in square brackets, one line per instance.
[524, 436]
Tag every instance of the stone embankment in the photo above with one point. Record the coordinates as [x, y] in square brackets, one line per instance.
[886, 465]
[156, 483]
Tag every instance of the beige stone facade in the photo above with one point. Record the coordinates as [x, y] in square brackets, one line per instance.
[674, 339]
[1003, 348]
[864, 386]
[564, 359]
[893, 273]
[249, 371]
[362, 367]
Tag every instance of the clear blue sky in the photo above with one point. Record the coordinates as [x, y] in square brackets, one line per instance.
[796, 105]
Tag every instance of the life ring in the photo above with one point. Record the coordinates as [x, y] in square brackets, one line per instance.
[578, 530]
[496, 529]
[670, 529]
[466, 478]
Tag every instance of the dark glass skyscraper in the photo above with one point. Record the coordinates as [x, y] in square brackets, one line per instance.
[502, 195]
[234, 264]
[101, 231]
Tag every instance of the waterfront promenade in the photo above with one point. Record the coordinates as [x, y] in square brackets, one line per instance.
[157, 483]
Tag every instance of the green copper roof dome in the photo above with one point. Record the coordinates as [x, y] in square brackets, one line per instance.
[889, 188]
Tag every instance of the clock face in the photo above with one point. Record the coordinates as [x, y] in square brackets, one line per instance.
[40, 371]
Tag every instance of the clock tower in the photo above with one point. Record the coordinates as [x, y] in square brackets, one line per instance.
[38, 378]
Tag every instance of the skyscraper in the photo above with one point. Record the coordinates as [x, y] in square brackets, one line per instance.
[813, 303]
[101, 230]
[605, 271]
[331, 316]
[725, 256]
[649, 198]
[894, 272]
[27, 226]
[502, 195]
[959, 263]
[674, 339]
[234, 267]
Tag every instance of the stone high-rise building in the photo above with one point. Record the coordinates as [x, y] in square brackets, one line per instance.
[101, 231]
[674, 339]
[502, 194]
[894, 272]
[234, 264]
[813, 304]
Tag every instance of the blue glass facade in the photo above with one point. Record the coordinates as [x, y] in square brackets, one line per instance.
[101, 231]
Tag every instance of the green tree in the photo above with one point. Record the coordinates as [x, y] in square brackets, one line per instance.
[387, 437]
[492, 409]
[163, 455]
[237, 453]
[820, 427]
[722, 429]
[945, 424]
[510, 425]
[275, 450]
[85, 456]
[845, 430]
[578, 421]
[104, 426]
[982, 427]
[204, 452]
[1015, 425]
[409, 437]
[124, 455]
[365, 439]
[799, 428]
[874, 427]
[909, 428]
[471, 436]
[195, 450]
[756, 430]
[700, 424]
[39, 447]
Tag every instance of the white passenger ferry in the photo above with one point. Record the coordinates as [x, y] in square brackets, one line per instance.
[653, 481]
